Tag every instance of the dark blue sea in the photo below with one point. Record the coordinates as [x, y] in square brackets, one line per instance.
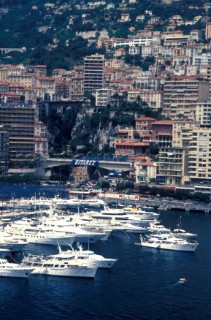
[143, 284]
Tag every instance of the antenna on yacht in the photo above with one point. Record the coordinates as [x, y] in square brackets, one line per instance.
[79, 246]
[71, 247]
[59, 248]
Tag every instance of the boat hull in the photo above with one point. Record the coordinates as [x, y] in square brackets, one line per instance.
[52, 241]
[15, 273]
[175, 247]
[76, 272]
[106, 264]
[14, 247]
[83, 238]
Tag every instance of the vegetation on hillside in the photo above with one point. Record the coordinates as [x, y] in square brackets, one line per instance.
[50, 31]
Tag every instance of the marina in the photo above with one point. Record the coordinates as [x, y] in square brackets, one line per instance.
[138, 274]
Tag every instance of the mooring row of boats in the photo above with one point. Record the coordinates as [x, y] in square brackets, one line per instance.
[55, 228]
[70, 263]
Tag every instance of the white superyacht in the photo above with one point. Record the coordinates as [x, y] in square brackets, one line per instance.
[58, 265]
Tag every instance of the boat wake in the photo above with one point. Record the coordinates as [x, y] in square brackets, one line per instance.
[181, 281]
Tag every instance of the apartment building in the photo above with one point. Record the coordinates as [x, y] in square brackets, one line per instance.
[208, 30]
[162, 132]
[93, 72]
[203, 113]
[18, 119]
[4, 154]
[181, 93]
[144, 123]
[103, 97]
[130, 148]
[7, 69]
[27, 80]
[182, 132]
[48, 83]
[38, 69]
[148, 82]
[41, 139]
[62, 88]
[80, 174]
[153, 98]
[77, 88]
[199, 158]
[172, 169]
[202, 59]
[133, 42]
[144, 171]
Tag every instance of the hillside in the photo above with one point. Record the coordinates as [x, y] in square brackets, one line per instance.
[54, 32]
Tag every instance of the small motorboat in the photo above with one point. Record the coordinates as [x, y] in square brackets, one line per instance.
[183, 280]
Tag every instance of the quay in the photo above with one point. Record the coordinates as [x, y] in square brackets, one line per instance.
[161, 204]
[19, 215]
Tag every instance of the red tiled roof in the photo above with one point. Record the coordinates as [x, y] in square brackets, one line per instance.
[144, 119]
[147, 164]
[133, 144]
[10, 94]
[163, 122]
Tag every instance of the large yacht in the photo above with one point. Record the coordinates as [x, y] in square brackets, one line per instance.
[42, 235]
[168, 242]
[135, 219]
[58, 265]
[8, 269]
[157, 228]
[11, 242]
[81, 235]
[84, 255]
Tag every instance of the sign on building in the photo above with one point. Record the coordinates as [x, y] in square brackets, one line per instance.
[88, 163]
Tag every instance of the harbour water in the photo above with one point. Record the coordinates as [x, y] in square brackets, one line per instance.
[143, 284]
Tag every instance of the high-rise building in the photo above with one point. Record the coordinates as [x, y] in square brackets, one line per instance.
[181, 93]
[203, 113]
[182, 132]
[199, 163]
[18, 119]
[4, 153]
[93, 72]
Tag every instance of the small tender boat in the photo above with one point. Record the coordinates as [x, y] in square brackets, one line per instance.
[183, 280]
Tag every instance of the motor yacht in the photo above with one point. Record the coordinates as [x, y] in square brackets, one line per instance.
[55, 265]
[149, 215]
[41, 235]
[181, 233]
[71, 226]
[83, 255]
[14, 270]
[157, 228]
[11, 242]
[134, 219]
[168, 242]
